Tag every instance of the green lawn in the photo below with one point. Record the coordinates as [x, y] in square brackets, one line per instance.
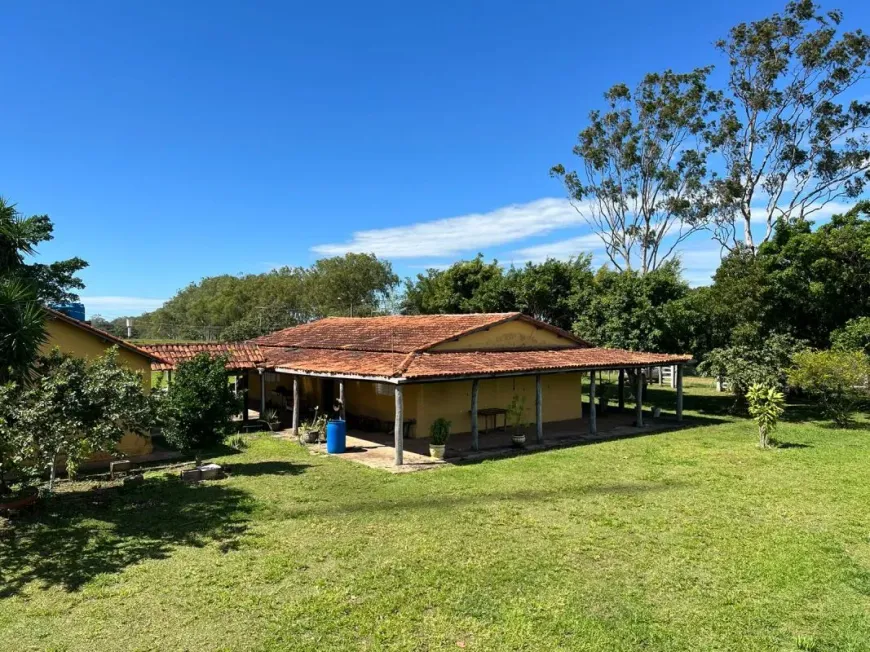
[691, 540]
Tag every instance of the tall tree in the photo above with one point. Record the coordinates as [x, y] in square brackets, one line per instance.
[466, 286]
[790, 139]
[641, 182]
[19, 238]
[353, 284]
[25, 286]
[629, 310]
[816, 281]
[553, 291]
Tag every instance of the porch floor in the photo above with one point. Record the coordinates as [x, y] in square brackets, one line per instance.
[376, 449]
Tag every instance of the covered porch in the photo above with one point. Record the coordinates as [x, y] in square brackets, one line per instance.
[377, 450]
[591, 424]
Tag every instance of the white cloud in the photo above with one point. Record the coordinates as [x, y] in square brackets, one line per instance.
[561, 250]
[452, 235]
[114, 306]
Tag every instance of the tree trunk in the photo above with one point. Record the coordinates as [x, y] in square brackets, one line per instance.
[52, 474]
[747, 231]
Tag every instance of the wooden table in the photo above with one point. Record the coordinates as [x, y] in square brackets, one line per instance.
[491, 415]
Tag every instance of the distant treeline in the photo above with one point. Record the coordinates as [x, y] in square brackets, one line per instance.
[808, 284]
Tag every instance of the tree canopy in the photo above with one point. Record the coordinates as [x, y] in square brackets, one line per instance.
[240, 307]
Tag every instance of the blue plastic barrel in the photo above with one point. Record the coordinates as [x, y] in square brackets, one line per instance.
[336, 436]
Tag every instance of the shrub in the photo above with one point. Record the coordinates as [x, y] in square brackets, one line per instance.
[836, 379]
[516, 411]
[854, 336]
[439, 431]
[198, 408]
[766, 404]
[74, 408]
[743, 366]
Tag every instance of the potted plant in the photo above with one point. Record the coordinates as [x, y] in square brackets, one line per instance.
[439, 433]
[312, 432]
[516, 410]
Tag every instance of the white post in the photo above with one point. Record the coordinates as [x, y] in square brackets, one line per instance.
[399, 431]
[539, 409]
[295, 406]
[679, 371]
[341, 398]
[262, 393]
[638, 394]
[475, 437]
[593, 424]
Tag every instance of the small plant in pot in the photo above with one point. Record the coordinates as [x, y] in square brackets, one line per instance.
[439, 433]
[312, 432]
[516, 410]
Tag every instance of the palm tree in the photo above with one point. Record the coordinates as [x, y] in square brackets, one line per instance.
[22, 329]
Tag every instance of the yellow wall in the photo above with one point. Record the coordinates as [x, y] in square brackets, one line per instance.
[426, 402]
[510, 335]
[82, 343]
[452, 400]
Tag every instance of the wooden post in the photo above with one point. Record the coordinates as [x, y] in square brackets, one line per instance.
[679, 371]
[168, 377]
[581, 394]
[399, 432]
[621, 389]
[262, 393]
[475, 437]
[245, 383]
[295, 406]
[539, 409]
[638, 394]
[343, 413]
[593, 424]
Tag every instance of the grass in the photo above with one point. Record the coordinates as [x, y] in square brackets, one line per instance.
[690, 540]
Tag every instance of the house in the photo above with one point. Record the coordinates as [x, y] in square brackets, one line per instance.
[407, 371]
[80, 339]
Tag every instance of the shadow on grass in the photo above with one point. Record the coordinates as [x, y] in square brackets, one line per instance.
[265, 468]
[718, 404]
[73, 537]
[787, 444]
[427, 502]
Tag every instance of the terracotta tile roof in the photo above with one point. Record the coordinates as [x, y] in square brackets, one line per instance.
[394, 333]
[421, 366]
[243, 355]
[107, 337]
[337, 361]
[428, 365]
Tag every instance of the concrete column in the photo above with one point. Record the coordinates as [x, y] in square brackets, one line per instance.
[399, 432]
[638, 393]
[341, 399]
[475, 437]
[593, 423]
[621, 389]
[539, 409]
[295, 406]
[679, 374]
[581, 394]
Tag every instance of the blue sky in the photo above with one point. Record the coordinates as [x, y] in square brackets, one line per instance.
[170, 141]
